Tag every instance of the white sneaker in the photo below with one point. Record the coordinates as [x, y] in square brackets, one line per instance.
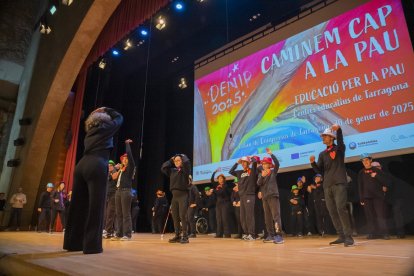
[244, 236]
[125, 238]
[249, 238]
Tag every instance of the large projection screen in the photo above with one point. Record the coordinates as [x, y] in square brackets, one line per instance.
[350, 65]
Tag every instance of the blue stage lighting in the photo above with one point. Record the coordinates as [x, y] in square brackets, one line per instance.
[144, 32]
[115, 52]
[179, 6]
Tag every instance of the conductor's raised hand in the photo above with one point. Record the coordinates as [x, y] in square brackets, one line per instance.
[128, 141]
[312, 158]
[335, 127]
[268, 151]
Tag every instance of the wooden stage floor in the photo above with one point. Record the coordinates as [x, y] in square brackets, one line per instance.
[31, 253]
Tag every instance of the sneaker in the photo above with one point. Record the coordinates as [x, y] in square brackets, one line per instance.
[17, 229]
[268, 239]
[125, 238]
[184, 239]
[278, 239]
[227, 236]
[107, 236]
[175, 239]
[370, 237]
[300, 235]
[349, 241]
[339, 240]
[237, 237]
[218, 237]
[401, 236]
[309, 234]
[115, 238]
[192, 236]
[244, 236]
[386, 237]
[104, 232]
[249, 238]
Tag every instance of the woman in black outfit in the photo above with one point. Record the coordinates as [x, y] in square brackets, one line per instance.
[85, 218]
[223, 205]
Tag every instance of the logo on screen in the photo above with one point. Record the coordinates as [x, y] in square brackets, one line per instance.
[352, 145]
[294, 155]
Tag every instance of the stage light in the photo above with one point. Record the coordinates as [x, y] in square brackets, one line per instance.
[144, 32]
[179, 6]
[183, 83]
[44, 29]
[52, 9]
[201, 1]
[115, 52]
[140, 42]
[128, 44]
[102, 64]
[174, 59]
[67, 2]
[161, 23]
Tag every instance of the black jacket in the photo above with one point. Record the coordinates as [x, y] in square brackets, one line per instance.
[371, 187]
[222, 193]
[247, 179]
[45, 200]
[208, 201]
[297, 207]
[194, 196]
[316, 194]
[178, 177]
[331, 163]
[160, 206]
[111, 184]
[101, 137]
[128, 175]
[62, 197]
[268, 184]
[235, 197]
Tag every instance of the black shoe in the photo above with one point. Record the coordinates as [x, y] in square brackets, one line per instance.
[370, 237]
[175, 239]
[386, 237]
[401, 236]
[192, 236]
[339, 240]
[184, 239]
[237, 237]
[227, 236]
[218, 237]
[349, 241]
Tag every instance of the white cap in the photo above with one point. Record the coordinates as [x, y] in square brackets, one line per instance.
[329, 132]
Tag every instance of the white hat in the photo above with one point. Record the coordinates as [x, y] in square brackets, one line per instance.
[245, 158]
[329, 132]
[376, 164]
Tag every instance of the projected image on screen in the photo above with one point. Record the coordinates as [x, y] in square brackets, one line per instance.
[356, 70]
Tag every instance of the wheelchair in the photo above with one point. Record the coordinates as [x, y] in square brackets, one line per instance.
[201, 223]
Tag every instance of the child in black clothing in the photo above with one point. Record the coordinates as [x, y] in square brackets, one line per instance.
[296, 219]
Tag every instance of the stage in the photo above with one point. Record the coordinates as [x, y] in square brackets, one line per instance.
[31, 253]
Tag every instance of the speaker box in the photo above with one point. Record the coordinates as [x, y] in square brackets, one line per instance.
[13, 163]
[25, 121]
[19, 142]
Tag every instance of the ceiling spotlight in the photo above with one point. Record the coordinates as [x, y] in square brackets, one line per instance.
[161, 23]
[183, 83]
[140, 42]
[44, 29]
[201, 1]
[115, 52]
[128, 44]
[179, 6]
[174, 59]
[52, 9]
[102, 64]
[67, 2]
[144, 32]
